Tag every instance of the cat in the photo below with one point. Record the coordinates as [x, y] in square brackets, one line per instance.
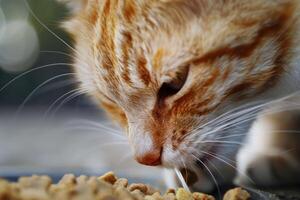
[195, 84]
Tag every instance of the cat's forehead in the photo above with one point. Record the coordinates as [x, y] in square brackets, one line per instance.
[172, 27]
[132, 43]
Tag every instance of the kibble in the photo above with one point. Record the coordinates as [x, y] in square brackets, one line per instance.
[104, 187]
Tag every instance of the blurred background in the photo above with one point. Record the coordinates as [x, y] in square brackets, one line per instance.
[46, 127]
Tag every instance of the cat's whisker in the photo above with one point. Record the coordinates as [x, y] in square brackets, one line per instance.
[119, 142]
[96, 125]
[97, 130]
[227, 163]
[59, 52]
[58, 99]
[219, 141]
[215, 167]
[211, 174]
[181, 179]
[249, 117]
[233, 162]
[242, 114]
[245, 113]
[184, 166]
[68, 99]
[237, 115]
[46, 27]
[91, 122]
[56, 85]
[224, 145]
[232, 113]
[38, 87]
[33, 70]
[224, 127]
[235, 122]
[231, 136]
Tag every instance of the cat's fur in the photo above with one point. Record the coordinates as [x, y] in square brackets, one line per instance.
[167, 69]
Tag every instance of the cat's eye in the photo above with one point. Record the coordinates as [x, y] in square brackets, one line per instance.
[175, 84]
[168, 89]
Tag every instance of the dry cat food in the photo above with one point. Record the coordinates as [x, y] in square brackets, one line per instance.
[106, 187]
[236, 194]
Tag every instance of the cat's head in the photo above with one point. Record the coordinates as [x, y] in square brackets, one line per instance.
[164, 68]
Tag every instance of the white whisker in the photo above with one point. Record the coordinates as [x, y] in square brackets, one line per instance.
[96, 125]
[37, 88]
[97, 130]
[47, 28]
[181, 179]
[215, 167]
[68, 99]
[57, 100]
[32, 70]
[234, 111]
[227, 163]
[219, 141]
[213, 177]
[59, 52]
[230, 136]
[56, 85]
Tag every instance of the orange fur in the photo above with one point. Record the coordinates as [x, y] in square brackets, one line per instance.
[235, 49]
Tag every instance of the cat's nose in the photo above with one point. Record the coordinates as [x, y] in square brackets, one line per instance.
[151, 158]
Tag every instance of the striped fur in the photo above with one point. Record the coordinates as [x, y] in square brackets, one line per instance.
[215, 54]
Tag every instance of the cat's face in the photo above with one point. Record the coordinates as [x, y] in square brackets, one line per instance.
[163, 68]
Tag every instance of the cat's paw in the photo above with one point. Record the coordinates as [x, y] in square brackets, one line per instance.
[265, 169]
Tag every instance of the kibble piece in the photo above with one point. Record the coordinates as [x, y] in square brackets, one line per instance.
[109, 178]
[138, 194]
[171, 190]
[121, 182]
[182, 194]
[34, 194]
[138, 186]
[5, 190]
[151, 190]
[169, 196]
[155, 196]
[35, 187]
[201, 196]
[94, 184]
[68, 180]
[82, 179]
[82, 191]
[38, 182]
[106, 187]
[123, 194]
[236, 194]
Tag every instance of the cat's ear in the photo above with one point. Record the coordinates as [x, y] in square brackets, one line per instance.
[74, 5]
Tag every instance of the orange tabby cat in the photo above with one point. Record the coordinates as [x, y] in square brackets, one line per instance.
[184, 78]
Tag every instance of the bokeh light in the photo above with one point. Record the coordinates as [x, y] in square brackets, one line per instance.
[19, 43]
[19, 46]
[2, 22]
[14, 9]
